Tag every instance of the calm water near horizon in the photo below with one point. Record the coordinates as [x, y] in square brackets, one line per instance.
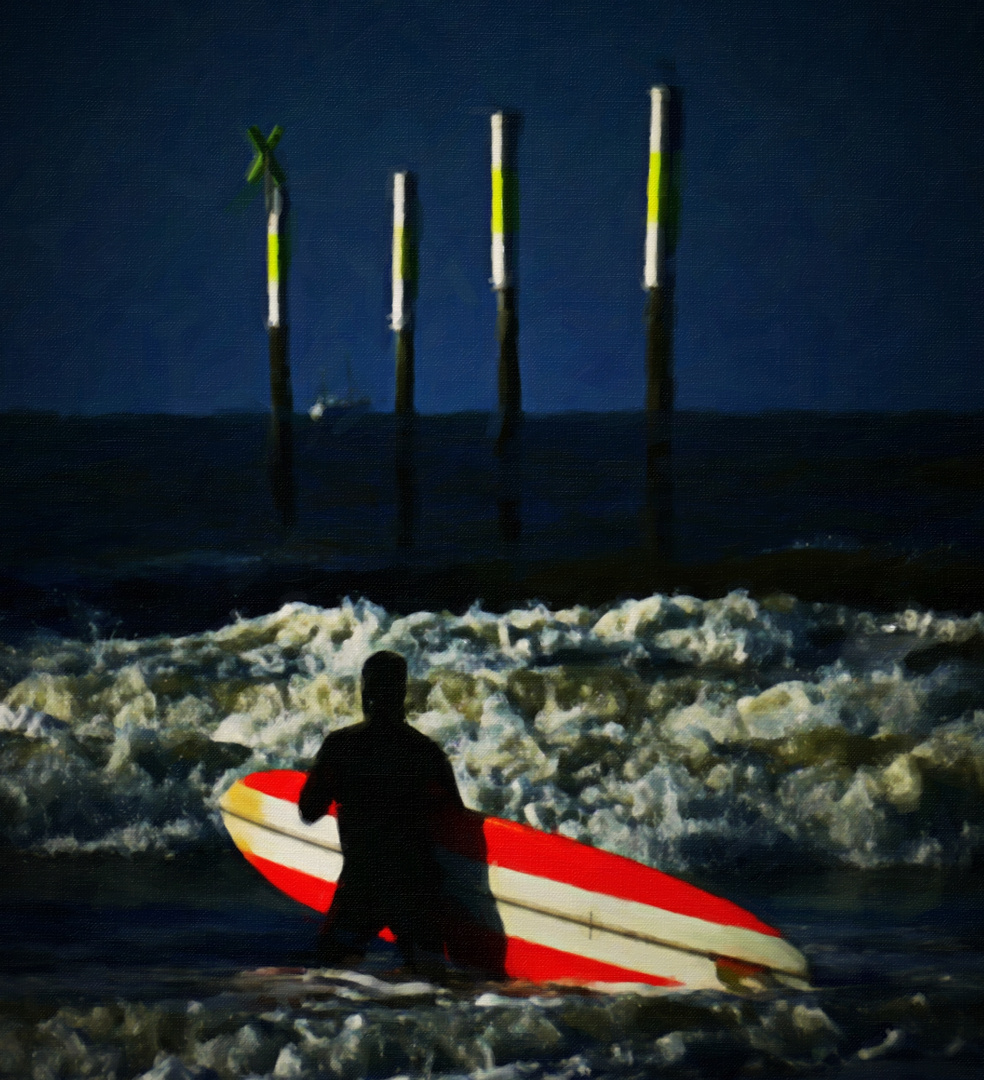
[92, 501]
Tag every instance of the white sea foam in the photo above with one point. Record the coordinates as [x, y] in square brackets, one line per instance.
[674, 730]
[488, 1037]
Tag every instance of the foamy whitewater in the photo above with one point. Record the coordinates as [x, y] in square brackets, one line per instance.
[700, 736]
[679, 732]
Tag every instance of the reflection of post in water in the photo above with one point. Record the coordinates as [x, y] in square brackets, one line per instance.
[281, 399]
[406, 482]
[509, 465]
[658, 524]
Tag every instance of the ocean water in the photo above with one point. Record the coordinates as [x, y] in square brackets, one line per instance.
[815, 759]
[133, 524]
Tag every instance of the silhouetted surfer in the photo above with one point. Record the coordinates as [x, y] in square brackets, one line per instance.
[389, 782]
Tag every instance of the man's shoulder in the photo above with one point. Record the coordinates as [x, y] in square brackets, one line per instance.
[345, 736]
[369, 736]
[426, 744]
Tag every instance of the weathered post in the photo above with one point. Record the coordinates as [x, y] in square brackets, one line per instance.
[405, 239]
[505, 228]
[405, 262]
[658, 283]
[665, 134]
[281, 398]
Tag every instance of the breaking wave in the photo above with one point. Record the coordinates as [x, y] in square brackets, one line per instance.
[684, 733]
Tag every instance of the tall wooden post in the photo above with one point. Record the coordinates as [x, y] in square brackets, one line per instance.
[405, 262]
[405, 239]
[281, 397]
[658, 282]
[505, 228]
[265, 167]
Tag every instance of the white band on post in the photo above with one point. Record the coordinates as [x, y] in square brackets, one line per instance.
[398, 314]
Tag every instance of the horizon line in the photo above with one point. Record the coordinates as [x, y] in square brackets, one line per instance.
[302, 415]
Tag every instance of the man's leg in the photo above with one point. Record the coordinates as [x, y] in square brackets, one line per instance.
[350, 924]
[417, 919]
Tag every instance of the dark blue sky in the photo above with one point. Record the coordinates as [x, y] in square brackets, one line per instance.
[831, 245]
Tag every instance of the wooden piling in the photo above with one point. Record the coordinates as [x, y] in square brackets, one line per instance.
[404, 371]
[659, 368]
[658, 281]
[281, 397]
[281, 427]
[507, 332]
[265, 167]
[405, 262]
[505, 229]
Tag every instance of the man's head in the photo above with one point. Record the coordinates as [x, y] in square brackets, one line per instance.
[384, 686]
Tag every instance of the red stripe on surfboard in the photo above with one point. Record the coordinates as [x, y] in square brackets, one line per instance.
[280, 783]
[313, 891]
[558, 858]
[540, 963]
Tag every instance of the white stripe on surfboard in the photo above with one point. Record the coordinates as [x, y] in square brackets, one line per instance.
[281, 848]
[597, 912]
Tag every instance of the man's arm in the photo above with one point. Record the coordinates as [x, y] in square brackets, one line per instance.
[444, 786]
[317, 791]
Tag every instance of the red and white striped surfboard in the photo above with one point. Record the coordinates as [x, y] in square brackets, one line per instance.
[528, 904]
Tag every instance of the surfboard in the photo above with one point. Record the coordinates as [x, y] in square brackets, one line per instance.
[530, 905]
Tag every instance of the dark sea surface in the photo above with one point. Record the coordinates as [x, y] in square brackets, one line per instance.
[147, 522]
[757, 663]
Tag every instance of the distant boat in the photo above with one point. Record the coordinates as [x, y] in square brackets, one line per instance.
[338, 405]
[328, 404]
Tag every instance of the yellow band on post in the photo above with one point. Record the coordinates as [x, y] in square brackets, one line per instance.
[273, 257]
[653, 189]
[498, 213]
[505, 201]
[399, 253]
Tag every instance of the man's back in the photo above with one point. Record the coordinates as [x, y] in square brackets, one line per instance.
[388, 780]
